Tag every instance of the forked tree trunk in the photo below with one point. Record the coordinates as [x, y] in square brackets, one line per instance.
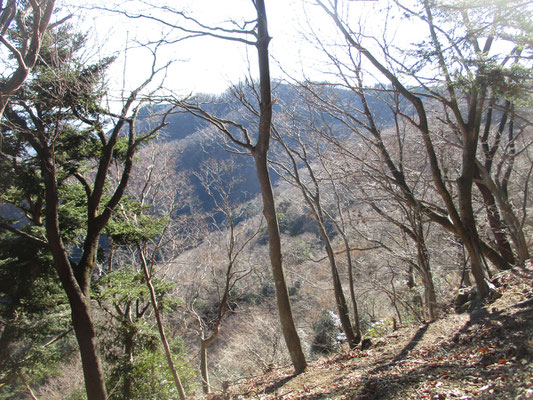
[340, 299]
[79, 303]
[496, 225]
[356, 322]
[466, 212]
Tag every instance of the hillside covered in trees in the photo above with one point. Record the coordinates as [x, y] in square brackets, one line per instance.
[359, 236]
[485, 354]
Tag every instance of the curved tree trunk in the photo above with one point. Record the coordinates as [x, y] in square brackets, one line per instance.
[79, 303]
[288, 327]
[259, 152]
[160, 327]
[340, 299]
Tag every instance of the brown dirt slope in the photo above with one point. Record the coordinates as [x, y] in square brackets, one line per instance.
[484, 354]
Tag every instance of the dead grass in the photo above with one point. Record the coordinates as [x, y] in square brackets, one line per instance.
[486, 354]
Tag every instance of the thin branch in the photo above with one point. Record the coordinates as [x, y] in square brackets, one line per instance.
[35, 240]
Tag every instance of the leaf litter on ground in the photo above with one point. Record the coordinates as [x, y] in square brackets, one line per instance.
[484, 354]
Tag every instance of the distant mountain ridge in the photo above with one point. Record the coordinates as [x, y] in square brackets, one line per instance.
[198, 141]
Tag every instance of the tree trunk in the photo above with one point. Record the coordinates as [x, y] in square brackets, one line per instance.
[160, 327]
[79, 303]
[84, 269]
[356, 322]
[206, 387]
[340, 300]
[282, 294]
[513, 224]
[86, 337]
[466, 211]
[430, 297]
[495, 258]
[496, 225]
[269, 210]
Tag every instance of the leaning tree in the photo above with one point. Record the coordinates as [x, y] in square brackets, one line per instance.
[459, 86]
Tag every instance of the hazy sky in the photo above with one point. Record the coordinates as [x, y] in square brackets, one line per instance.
[210, 65]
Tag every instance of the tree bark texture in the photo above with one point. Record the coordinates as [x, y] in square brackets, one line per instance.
[288, 327]
[496, 225]
[290, 333]
[79, 303]
[205, 343]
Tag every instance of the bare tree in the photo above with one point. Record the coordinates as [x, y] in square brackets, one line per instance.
[220, 180]
[354, 172]
[414, 229]
[298, 170]
[458, 216]
[240, 137]
[252, 33]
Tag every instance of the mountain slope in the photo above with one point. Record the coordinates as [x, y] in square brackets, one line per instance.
[486, 354]
[198, 141]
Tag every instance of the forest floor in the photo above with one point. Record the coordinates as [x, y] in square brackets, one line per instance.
[484, 354]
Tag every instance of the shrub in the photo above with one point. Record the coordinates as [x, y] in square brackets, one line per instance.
[327, 334]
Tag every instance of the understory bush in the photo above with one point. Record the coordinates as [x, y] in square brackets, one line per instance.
[327, 334]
